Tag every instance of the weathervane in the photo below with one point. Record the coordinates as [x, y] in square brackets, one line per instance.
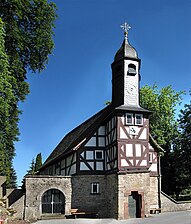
[126, 27]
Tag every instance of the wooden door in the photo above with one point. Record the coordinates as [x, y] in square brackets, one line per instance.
[134, 205]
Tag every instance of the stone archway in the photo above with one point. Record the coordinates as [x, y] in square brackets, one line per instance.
[53, 202]
[39, 186]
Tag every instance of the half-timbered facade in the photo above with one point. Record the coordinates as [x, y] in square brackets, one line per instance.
[108, 163]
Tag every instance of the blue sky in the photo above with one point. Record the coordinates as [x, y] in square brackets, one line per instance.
[77, 79]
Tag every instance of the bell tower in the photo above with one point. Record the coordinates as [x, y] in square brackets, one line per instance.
[125, 74]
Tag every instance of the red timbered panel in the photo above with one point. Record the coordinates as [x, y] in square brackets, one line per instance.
[153, 161]
[133, 144]
[132, 131]
[133, 155]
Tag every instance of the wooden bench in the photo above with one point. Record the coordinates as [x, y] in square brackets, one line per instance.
[155, 210]
[76, 213]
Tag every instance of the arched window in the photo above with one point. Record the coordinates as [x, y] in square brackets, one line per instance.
[53, 202]
[131, 69]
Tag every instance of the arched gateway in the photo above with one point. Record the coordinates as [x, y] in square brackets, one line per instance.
[53, 202]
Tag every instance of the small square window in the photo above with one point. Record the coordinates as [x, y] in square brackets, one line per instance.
[95, 189]
[99, 154]
[129, 118]
[138, 119]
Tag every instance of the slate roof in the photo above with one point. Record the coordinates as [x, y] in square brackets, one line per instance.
[133, 108]
[74, 137]
[86, 129]
[126, 51]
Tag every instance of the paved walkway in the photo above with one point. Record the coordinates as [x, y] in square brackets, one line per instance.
[163, 218]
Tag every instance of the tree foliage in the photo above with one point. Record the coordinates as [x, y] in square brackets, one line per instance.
[38, 162]
[163, 125]
[35, 165]
[164, 129]
[33, 169]
[26, 42]
[181, 153]
[8, 114]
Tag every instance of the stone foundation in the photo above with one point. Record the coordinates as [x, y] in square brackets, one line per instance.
[110, 202]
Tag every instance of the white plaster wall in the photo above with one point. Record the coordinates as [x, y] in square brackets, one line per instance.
[131, 96]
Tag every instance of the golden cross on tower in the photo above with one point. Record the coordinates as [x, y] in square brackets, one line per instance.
[126, 27]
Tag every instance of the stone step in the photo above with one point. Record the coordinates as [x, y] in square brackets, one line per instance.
[53, 216]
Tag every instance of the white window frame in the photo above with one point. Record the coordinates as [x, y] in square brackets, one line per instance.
[97, 188]
[141, 115]
[126, 119]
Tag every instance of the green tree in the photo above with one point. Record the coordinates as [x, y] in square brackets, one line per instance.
[181, 153]
[163, 124]
[26, 45]
[38, 162]
[35, 165]
[163, 127]
[31, 170]
[34, 168]
[185, 127]
[8, 114]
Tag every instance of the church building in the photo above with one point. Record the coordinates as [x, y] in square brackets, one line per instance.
[108, 165]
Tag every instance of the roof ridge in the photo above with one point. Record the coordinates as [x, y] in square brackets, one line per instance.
[76, 135]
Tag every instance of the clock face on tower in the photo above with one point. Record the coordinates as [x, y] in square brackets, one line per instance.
[131, 89]
[131, 94]
[133, 130]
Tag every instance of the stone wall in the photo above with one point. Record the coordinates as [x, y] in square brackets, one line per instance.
[153, 195]
[15, 200]
[18, 206]
[170, 205]
[77, 191]
[82, 198]
[111, 202]
[13, 195]
[2, 186]
[139, 182]
[37, 186]
[112, 196]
